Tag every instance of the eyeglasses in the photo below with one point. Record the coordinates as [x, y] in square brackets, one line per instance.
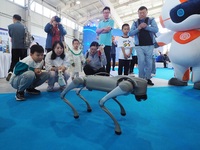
[106, 12]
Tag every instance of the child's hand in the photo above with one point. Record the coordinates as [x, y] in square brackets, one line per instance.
[63, 68]
[38, 71]
[125, 56]
[53, 68]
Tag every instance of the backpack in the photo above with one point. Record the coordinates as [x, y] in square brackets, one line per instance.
[148, 22]
[27, 38]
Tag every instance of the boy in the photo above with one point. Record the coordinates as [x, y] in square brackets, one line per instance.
[28, 73]
[77, 58]
[125, 54]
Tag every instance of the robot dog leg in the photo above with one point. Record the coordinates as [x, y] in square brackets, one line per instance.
[76, 83]
[126, 85]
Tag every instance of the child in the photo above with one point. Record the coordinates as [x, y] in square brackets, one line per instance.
[57, 61]
[77, 59]
[125, 54]
[28, 73]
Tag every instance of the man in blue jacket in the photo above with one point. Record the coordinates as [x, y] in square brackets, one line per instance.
[144, 30]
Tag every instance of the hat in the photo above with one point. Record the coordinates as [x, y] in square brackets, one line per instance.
[57, 19]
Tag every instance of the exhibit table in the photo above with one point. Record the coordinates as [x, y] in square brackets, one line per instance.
[5, 60]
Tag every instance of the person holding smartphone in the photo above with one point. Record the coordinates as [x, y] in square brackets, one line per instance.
[55, 32]
[95, 60]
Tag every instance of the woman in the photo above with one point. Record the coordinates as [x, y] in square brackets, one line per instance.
[57, 61]
[95, 60]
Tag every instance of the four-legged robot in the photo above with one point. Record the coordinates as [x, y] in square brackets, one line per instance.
[114, 86]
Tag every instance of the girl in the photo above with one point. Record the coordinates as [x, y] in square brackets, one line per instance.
[57, 61]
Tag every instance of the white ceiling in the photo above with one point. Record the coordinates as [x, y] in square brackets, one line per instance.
[89, 11]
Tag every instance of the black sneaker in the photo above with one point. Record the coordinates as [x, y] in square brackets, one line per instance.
[32, 91]
[20, 96]
[149, 82]
[8, 76]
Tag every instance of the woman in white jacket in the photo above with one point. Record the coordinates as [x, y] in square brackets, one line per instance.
[57, 61]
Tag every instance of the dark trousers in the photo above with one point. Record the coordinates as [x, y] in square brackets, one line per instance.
[113, 56]
[88, 70]
[123, 64]
[16, 55]
[107, 50]
[134, 61]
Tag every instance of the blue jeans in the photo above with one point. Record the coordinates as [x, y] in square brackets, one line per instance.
[28, 79]
[144, 54]
[53, 77]
[153, 66]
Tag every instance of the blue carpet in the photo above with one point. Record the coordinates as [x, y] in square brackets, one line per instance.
[168, 120]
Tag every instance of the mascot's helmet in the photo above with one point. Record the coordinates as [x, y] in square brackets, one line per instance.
[180, 15]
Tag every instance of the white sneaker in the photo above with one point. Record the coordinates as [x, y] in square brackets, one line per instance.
[132, 74]
[50, 88]
[153, 75]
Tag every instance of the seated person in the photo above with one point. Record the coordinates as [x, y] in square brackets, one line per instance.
[28, 73]
[57, 63]
[95, 60]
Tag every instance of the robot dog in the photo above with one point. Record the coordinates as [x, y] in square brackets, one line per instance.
[114, 86]
[182, 17]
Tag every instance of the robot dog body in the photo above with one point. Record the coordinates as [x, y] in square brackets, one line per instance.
[114, 86]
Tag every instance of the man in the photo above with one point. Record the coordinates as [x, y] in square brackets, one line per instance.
[105, 37]
[16, 32]
[144, 30]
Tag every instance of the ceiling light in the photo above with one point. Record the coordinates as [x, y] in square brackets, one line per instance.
[78, 2]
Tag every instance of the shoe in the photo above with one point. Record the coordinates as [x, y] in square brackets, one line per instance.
[50, 88]
[32, 91]
[153, 75]
[20, 96]
[8, 76]
[62, 88]
[149, 82]
[131, 74]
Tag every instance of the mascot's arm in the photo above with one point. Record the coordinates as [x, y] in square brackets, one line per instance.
[165, 38]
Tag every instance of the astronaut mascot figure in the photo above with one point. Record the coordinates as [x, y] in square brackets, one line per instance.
[182, 17]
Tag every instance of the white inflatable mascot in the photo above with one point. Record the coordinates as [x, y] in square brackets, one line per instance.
[182, 17]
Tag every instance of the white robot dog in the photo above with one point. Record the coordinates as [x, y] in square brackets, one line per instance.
[114, 86]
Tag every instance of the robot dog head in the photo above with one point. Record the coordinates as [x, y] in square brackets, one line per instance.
[181, 15]
[139, 87]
